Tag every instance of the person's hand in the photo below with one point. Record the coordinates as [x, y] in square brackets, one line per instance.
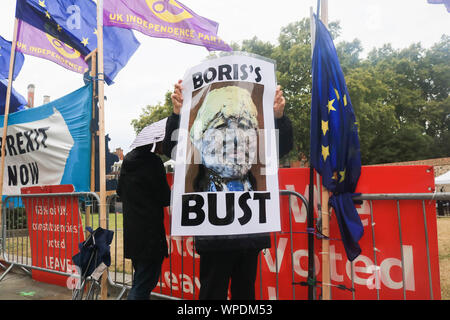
[278, 106]
[177, 97]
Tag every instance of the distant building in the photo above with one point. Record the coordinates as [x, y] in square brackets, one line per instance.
[115, 169]
[30, 100]
[119, 153]
[110, 159]
[440, 166]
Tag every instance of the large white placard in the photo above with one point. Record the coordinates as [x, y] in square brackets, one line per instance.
[226, 169]
[36, 153]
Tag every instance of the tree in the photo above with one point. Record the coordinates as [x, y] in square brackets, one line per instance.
[401, 97]
[418, 90]
[293, 61]
[151, 114]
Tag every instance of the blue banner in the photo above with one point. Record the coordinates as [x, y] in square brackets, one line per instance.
[50, 145]
[5, 56]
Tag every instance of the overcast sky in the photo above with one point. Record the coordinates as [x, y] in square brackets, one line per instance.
[158, 63]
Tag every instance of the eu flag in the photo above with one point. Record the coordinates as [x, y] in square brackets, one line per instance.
[335, 151]
[5, 55]
[17, 102]
[74, 22]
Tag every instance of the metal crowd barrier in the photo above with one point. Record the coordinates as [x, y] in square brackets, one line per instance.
[121, 277]
[45, 251]
[443, 208]
[443, 196]
[121, 271]
[15, 249]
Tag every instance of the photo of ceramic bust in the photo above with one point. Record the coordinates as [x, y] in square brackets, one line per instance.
[225, 134]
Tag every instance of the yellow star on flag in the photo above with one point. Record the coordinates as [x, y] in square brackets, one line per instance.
[342, 174]
[85, 41]
[337, 94]
[58, 27]
[324, 127]
[95, 31]
[335, 175]
[42, 3]
[330, 105]
[325, 152]
[345, 100]
[47, 14]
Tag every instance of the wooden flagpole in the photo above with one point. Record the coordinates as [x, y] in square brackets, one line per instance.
[310, 215]
[101, 120]
[326, 279]
[93, 57]
[7, 103]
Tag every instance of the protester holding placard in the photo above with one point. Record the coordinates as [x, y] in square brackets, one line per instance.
[227, 106]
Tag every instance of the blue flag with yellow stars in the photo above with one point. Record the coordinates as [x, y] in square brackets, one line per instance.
[335, 151]
[5, 55]
[17, 102]
[74, 22]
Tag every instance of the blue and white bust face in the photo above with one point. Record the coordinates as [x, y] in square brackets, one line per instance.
[225, 132]
[229, 151]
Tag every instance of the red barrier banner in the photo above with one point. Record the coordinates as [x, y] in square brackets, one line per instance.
[55, 229]
[399, 258]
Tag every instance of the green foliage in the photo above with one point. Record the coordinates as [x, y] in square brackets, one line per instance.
[151, 114]
[16, 219]
[401, 97]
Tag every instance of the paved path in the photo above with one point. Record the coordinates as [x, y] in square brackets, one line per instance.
[17, 285]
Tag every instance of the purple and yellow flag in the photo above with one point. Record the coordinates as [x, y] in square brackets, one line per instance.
[164, 19]
[35, 42]
[64, 28]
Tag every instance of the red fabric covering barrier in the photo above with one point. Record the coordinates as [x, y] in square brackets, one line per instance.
[55, 230]
[286, 262]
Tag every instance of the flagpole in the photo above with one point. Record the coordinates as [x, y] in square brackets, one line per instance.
[326, 279]
[312, 29]
[93, 57]
[310, 214]
[7, 104]
[101, 120]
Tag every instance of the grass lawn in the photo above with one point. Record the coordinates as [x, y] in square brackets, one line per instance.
[112, 221]
[443, 227]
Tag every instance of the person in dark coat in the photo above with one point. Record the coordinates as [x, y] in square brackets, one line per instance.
[144, 192]
[232, 257]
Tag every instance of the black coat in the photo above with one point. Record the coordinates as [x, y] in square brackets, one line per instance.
[144, 192]
[232, 242]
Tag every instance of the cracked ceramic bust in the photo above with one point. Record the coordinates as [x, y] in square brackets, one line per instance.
[225, 131]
